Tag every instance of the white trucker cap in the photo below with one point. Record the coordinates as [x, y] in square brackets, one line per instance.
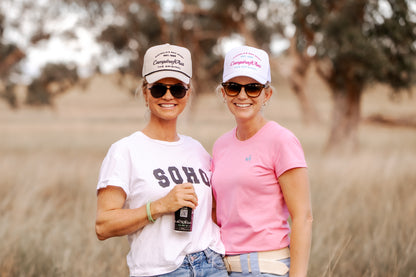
[247, 61]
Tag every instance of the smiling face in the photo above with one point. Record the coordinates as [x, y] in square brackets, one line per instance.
[167, 107]
[243, 107]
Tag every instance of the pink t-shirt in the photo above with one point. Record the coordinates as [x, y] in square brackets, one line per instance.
[251, 210]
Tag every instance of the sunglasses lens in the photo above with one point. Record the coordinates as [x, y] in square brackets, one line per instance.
[178, 91]
[253, 90]
[232, 89]
[158, 90]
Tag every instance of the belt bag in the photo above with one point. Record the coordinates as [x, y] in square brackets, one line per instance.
[268, 262]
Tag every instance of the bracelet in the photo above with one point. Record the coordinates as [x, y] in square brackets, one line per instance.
[149, 214]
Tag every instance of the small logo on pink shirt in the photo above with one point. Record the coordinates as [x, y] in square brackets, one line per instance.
[248, 158]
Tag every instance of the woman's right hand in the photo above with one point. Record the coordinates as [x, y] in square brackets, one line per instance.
[181, 195]
[113, 220]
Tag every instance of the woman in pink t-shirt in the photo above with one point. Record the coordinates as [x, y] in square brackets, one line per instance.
[259, 178]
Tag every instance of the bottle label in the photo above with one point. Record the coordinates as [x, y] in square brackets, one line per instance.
[183, 219]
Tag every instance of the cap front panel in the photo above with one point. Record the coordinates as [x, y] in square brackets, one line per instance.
[167, 61]
[247, 61]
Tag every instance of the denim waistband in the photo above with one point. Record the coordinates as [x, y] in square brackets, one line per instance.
[199, 256]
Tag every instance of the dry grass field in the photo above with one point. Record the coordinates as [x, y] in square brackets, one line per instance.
[364, 203]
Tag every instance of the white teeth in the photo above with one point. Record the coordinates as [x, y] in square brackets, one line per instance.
[167, 105]
[242, 105]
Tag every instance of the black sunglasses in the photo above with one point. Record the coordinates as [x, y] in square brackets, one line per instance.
[252, 90]
[158, 90]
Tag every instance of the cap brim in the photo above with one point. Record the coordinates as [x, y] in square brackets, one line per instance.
[251, 75]
[156, 76]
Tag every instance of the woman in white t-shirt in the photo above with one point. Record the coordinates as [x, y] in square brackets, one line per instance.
[259, 178]
[152, 173]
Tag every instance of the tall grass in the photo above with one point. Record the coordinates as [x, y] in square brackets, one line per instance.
[364, 208]
[364, 203]
[47, 218]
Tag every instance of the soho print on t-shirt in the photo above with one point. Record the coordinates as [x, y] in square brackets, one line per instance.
[179, 176]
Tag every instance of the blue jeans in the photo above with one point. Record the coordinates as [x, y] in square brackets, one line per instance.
[206, 263]
[254, 265]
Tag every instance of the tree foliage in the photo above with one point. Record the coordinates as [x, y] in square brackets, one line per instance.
[197, 25]
[55, 79]
[356, 43]
[128, 28]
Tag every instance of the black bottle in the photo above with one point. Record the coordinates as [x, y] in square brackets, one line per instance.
[183, 219]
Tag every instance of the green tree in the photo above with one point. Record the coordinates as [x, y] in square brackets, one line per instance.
[357, 43]
[10, 55]
[197, 25]
[128, 28]
[53, 79]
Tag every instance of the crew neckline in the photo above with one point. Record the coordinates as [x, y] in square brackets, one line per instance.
[253, 136]
[163, 142]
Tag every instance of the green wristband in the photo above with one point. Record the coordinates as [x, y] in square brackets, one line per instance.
[149, 214]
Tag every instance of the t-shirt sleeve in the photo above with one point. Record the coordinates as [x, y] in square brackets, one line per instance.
[289, 155]
[114, 170]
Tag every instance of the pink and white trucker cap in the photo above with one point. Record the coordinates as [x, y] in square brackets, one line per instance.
[167, 61]
[247, 61]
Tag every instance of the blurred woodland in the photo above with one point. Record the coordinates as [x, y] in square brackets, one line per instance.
[349, 68]
[352, 44]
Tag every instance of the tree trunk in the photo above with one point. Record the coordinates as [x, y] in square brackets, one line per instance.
[345, 119]
[10, 60]
[297, 78]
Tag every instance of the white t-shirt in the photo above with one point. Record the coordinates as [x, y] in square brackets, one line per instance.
[147, 169]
